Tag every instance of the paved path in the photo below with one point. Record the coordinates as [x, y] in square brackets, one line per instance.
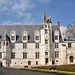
[10, 71]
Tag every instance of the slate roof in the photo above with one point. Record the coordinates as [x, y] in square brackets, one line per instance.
[19, 28]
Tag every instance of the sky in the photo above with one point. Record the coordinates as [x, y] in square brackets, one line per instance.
[31, 11]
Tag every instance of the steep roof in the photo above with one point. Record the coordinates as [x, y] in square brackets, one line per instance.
[6, 29]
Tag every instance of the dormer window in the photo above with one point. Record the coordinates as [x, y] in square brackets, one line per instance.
[56, 37]
[37, 37]
[45, 26]
[12, 37]
[24, 37]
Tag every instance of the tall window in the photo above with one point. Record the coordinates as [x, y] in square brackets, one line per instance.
[46, 41]
[56, 45]
[0, 44]
[6, 43]
[56, 37]
[0, 55]
[37, 45]
[37, 54]
[24, 45]
[12, 55]
[12, 37]
[46, 31]
[37, 37]
[12, 45]
[46, 53]
[24, 55]
[56, 54]
[24, 37]
[69, 45]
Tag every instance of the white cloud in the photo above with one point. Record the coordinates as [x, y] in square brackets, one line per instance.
[63, 31]
[45, 1]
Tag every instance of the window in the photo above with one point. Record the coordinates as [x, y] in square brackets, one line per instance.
[0, 44]
[12, 55]
[12, 45]
[69, 45]
[46, 31]
[24, 37]
[37, 55]
[45, 26]
[56, 54]
[24, 45]
[6, 43]
[56, 37]
[46, 53]
[37, 37]
[37, 45]
[46, 41]
[0, 55]
[3, 43]
[24, 55]
[12, 37]
[56, 45]
[29, 62]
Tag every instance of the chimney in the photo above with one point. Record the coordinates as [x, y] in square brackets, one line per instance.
[68, 37]
[58, 23]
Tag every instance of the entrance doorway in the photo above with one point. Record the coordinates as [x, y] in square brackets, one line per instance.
[0, 64]
[71, 58]
[29, 62]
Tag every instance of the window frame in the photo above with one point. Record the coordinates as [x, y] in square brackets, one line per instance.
[12, 45]
[46, 41]
[69, 45]
[56, 54]
[56, 37]
[37, 45]
[37, 55]
[12, 55]
[12, 38]
[56, 45]
[37, 37]
[25, 55]
[0, 55]
[24, 38]
[24, 45]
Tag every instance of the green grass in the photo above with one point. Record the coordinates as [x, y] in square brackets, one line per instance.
[48, 71]
[70, 68]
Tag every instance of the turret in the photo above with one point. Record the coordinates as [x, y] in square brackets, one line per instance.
[44, 18]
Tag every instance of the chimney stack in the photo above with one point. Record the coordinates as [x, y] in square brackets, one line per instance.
[58, 23]
[68, 37]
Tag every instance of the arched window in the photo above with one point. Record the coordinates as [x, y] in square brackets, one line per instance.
[71, 58]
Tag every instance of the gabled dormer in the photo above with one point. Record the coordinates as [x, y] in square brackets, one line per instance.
[13, 36]
[56, 35]
[24, 36]
[37, 36]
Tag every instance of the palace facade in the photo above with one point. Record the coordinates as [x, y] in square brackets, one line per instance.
[35, 45]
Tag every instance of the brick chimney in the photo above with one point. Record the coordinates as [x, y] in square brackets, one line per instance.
[68, 37]
[58, 23]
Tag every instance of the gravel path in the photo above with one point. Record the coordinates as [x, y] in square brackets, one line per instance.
[11, 71]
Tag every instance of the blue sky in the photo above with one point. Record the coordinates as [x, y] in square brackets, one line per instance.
[31, 11]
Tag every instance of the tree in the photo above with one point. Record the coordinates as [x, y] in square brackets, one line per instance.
[70, 31]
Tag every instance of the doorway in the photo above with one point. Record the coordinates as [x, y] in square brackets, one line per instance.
[46, 60]
[71, 58]
[0, 64]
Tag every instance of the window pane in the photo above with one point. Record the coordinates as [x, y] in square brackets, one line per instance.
[56, 54]
[46, 53]
[37, 45]
[24, 37]
[56, 37]
[12, 37]
[12, 55]
[46, 41]
[45, 30]
[24, 45]
[12, 45]
[0, 44]
[24, 55]
[56, 45]
[0, 55]
[37, 37]
[37, 54]
[69, 45]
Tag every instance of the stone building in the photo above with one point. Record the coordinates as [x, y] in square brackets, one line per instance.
[35, 44]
